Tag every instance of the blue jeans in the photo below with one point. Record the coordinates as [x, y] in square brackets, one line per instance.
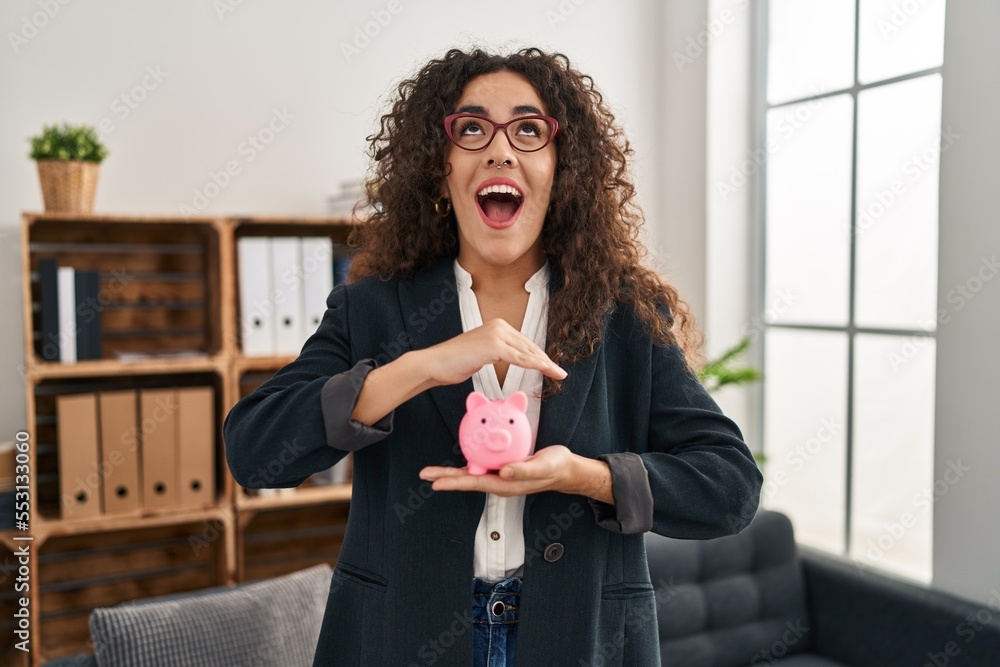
[495, 610]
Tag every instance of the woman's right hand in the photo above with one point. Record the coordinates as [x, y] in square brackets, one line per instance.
[455, 360]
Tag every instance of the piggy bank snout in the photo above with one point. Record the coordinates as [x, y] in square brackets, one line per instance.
[497, 440]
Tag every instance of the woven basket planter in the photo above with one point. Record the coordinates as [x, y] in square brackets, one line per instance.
[68, 186]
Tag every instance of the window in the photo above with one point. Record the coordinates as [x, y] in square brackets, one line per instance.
[850, 119]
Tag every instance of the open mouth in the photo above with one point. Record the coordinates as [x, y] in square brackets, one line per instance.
[499, 204]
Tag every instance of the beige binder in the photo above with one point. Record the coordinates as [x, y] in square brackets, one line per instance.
[76, 432]
[196, 446]
[158, 438]
[119, 452]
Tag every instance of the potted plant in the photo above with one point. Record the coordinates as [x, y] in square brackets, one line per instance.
[68, 159]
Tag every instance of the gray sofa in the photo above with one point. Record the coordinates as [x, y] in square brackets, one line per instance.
[756, 599]
[271, 623]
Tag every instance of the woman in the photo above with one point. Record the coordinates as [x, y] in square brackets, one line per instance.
[502, 256]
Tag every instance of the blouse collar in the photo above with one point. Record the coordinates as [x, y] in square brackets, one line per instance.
[536, 282]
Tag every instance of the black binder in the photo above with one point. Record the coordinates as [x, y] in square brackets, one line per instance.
[88, 315]
[48, 348]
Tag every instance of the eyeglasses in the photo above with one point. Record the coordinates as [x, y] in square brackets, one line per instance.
[474, 133]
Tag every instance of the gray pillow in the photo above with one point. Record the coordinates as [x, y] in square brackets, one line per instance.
[273, 622]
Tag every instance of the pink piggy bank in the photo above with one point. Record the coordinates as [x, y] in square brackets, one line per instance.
[494, 433]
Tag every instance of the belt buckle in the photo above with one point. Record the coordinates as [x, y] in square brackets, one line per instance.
[498, 608]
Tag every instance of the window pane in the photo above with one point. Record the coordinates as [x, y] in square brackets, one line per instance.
[808, 211]
[893, 465]
[805, 388]
[899, 37]
[810, 48]
[899, 147]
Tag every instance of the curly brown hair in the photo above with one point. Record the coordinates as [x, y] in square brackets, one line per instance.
[590, 233]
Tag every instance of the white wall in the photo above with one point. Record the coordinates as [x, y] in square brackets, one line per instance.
[966, 527]
[730, 294]
[680, 248]
[223, 75]
[704, 240]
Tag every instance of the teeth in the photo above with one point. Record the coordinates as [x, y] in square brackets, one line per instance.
[505, 189]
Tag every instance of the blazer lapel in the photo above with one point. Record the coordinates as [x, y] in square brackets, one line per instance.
[431, 315]
[561, 412]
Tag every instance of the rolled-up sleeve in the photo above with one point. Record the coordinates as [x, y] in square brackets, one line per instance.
[633, 508]
[339, 398]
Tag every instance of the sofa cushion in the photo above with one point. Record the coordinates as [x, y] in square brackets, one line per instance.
[733, 600]
[273, 622]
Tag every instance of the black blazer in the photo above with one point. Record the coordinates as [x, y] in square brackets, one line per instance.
[401, 588]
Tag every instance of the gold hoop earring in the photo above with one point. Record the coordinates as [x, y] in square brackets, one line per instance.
[438, 207]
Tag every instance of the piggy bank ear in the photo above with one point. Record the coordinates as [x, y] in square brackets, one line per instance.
[518, 400]
[474, 400]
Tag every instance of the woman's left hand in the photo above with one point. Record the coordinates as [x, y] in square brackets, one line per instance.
[552, 468]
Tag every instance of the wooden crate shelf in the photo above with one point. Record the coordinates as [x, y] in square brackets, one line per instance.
[168, 284]
[278, 541]
[300, 497]
[105, 367]
[47, 512]
[77, 573]
[145, 518]
[160, 281]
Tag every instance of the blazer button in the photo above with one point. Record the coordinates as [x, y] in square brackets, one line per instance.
[553, 552]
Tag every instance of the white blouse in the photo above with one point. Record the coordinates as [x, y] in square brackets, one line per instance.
[499, 546]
